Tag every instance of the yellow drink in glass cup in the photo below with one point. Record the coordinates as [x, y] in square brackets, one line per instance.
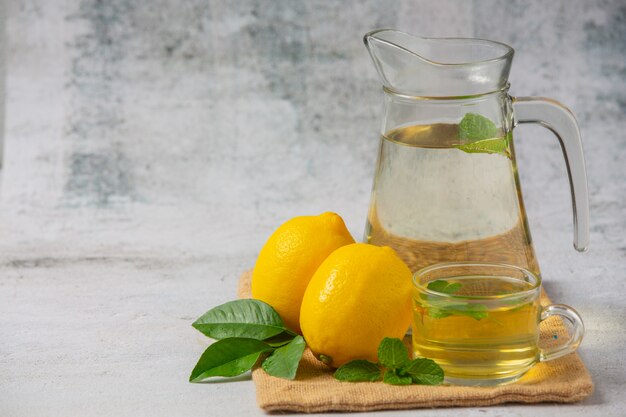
[480, 322]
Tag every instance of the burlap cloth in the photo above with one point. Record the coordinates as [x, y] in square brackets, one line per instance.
[564, 380]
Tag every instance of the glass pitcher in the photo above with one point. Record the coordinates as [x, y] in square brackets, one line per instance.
[446, 186]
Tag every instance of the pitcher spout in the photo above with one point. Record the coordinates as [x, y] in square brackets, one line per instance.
[438, 67]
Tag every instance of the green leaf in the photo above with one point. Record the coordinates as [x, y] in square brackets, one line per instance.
[283, 363]
[249, 318]
[358, 371]
[475, 311]
[424, 371]
[228, 357]
[493, 145]
[481, 136]
[392, 353]
[476, 127]
[438, 313]
[280, 339]
[443, 286]
[392, 377]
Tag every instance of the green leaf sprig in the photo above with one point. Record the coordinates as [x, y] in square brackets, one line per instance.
[475, 127]
[246, 331]
[439, 309]
[481, 136]
[394, 367]
[250, 330]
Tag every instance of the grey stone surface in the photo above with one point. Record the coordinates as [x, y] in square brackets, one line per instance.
[150, 149]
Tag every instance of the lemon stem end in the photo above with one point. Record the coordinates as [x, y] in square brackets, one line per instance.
[325, 359]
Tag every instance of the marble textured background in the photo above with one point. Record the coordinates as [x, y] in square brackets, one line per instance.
[150, 148]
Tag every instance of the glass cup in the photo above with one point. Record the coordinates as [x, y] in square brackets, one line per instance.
[480, 322]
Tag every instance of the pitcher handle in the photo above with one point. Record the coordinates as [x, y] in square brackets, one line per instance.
[560, 120]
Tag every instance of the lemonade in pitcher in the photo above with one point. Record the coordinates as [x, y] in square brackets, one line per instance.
[446, 186]
[441, 195]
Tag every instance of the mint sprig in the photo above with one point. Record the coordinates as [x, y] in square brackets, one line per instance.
[439, 309]
[246, 331]
[424, 371]
[394, 367]
[392, 353]
[492, 145]
[358, 371]
[395, 377]
[475, 311]
[481, 136]
[443, 286]
[475, 127]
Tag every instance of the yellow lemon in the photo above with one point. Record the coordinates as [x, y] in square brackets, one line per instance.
[359, 295]
[289, 259]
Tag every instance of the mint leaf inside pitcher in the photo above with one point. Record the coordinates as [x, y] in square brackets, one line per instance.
[481, 136]
[476, 127]
[495, 145]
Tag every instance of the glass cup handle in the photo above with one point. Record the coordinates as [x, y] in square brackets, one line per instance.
[559, 119]
[570, 315]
